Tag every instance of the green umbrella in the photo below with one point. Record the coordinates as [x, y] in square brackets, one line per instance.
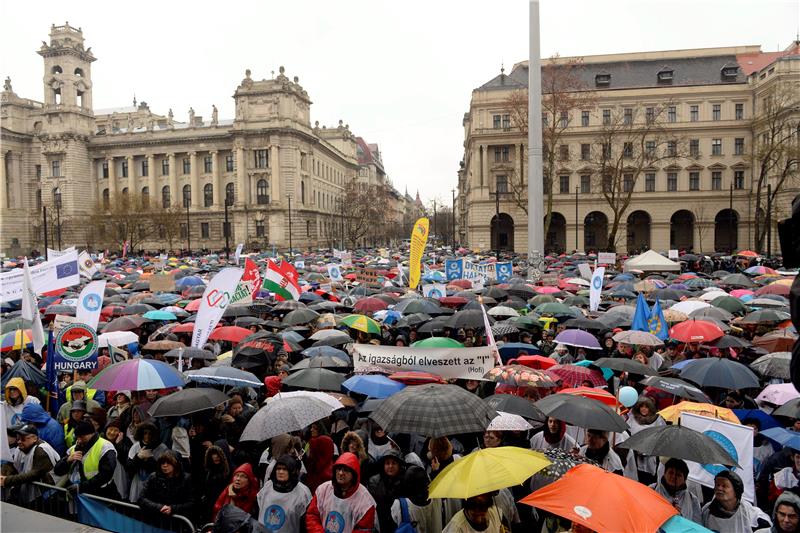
[362, 323]
[555, 309]
[541, 299]
[437, 342]
[730, 304]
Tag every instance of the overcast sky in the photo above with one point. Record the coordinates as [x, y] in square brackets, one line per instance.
[399, 73]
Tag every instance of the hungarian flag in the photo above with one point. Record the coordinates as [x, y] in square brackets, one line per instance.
[282, 280]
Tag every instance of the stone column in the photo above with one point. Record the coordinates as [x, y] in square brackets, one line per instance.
[151, 179]
[217, 192]
[241, 172]
[131, 174]
[174, 193]
[275, 163]
[194, 179]
[3, 182]
[112, 181]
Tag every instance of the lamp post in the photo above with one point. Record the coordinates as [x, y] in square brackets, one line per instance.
[44, 220]
[576, 217]
[453, 191]
[186, 202]
[57, 201]
[227, 229]
[289, 197]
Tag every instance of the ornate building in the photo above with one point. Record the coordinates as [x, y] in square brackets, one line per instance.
[715, 102]
[276, 172]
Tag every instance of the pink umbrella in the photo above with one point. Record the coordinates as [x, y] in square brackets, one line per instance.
[778, 394]
[547, 290]
[738, 293]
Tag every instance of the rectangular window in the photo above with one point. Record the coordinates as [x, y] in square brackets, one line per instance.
[39, 171]
[506, 153]
[738, 146]
[627, 115]
[497, 155]
[56, 166]
[563, 184]
[672, 148]
[738, 179]
[145, 167]
[694, 113]
[105, 169]
[716, 112]
[607, 183]
[187, 165]
[496, 121]
[650, 148]
[261, 228]
[739, 111]
[650, 182]
[672, 114]
[260, 158]
[672, 181]
[506, 121]
[716, 146]
[563, 152]
[124, 168]
[650, 114]
[627, 183]
[229, 163]
[606, 117]
[585, 151]
[501, 184]
[694, 147]
[563, 120]
[165, 167]
[586, 184]
[694, 181]
[716, 180]
[584, 118]
[204, 230]
[183, 231]
[627, 150]
[207, 164]
[226, 229]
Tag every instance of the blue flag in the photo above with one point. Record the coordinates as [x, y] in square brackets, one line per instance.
[641, 316]
[52, 375]
[657, 323]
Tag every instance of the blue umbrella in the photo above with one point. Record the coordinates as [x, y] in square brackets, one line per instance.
[387, 316]
[679, 524]
[784, 437]
[189, 281]
[168, 297]
[512, 349]
[160, 315]
[765, 421]
[373, 386]
[683, 364]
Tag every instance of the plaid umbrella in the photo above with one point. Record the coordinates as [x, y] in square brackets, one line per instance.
[434, 411]
[562, 461]
[574, 376]
[504, 329]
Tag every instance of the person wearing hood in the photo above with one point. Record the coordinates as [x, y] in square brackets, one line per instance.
[280, 445]
[283, 500]
[34, 462]
[49, 430]
[386, 486]
[217, 473]
[143, 456]
[319, 461]
[644, 415]
[90, 464]
[77, 412]
[77, 392]
[168, 490]
[378, 442]
[241, 491]
[672, 487]
[598, 449]
[424, 513]
[342, 504]
[785, 515]
[728, 512]
[122, 445]
[122, 402]
[553, 435]
[17, 397]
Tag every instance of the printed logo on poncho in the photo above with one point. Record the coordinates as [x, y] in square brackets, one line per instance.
[334, 522]
[274, 517]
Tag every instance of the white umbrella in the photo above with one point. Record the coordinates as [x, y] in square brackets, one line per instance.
[508, 422]
[712, 294]
[639, 338]
[284, 415]
[224, 375]
[687, 306]
[578, 281]
[502, 310]
[116, 338]
[317, 395]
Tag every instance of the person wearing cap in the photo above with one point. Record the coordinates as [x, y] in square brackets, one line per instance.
[77, 412]
[77, 392]
[672, 487]
[728, 511]
[34, 462]
[90, 463]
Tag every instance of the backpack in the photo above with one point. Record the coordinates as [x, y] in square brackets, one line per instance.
[406, 525]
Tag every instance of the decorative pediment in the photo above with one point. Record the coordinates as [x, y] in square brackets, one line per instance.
[717, 166]
[695, 167]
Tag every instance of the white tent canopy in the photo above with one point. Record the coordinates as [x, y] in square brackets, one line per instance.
[651, 261]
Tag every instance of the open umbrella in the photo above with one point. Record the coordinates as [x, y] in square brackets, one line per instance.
[223, 375]
[362, 323]
[315, 379]
[233, 334]
[520, 376]
[780, 340]
[437, 342]
[679, 442]
[562, 461]
[116, 338]
[322, 361]
[582, 412]
[125, 323]
[485, 471]
[621, 364]
[676, 387]
[373, 386]
[575, 375]
[785, 437]
[508, 422]
[136, 375]
[673, 412]
[578, 338]
[638, 338]
[789, 409]
[27, 371]
[718, 372]
[774, 365]
[434, 411]
[285, 415]
[778, 394]
[603, 501]
[470, 318]
[187, 401]
[191, 353]
[593, 393]
[695, 331]
[517, 405]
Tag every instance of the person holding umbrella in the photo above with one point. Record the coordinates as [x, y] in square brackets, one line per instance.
[672, 487]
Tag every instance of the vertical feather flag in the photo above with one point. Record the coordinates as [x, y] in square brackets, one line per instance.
[419, 237]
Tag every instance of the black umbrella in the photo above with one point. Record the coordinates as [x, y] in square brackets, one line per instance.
[418, 305]
[496, 293]
[137, 309]
[681, 443]
[764, 316]
[322, 361]
[233, 311]
[369, 405]
[187, 401]
[191, 353]
[257, 350]
[436, 325]
[586, 324]
[27, 371]
[125, 323]
[471, 318]
[625, 365]
[300, 316]
[774, 365]
[315, 379]
[737, 280]
[729, 341]
[717, 313]
[289, 305]
[582, 412]
[413, 319]
[60, 309]
[509, 403]
[790, 409]
[722, 373]
[434, 411]
[676, 387]
[247, 321]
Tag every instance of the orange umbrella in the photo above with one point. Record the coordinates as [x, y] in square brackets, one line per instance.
[673, 412]
[595, 394]
[603, 502]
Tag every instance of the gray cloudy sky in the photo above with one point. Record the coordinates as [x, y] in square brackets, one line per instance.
[399, 73]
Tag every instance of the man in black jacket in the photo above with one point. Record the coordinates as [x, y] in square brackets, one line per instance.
[90, 463]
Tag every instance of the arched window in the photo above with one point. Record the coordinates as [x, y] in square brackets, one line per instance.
[230, 196]
[262, 193]
[56, 69]
[208, 195]
[125, 198]
[57, 197]
[187, 195]
[79, 72]
[165, 197]
[146, 197]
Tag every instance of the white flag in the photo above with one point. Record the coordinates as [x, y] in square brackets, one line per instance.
[30, 310]
[217, 296]
[334, 272]
[596, 288]
[434, 290]
[238, 253]
[489, 335]
[52, 254]
[86, 265]
[90, 303]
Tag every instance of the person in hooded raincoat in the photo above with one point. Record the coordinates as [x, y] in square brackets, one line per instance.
[283, 500]
[17, 397]
[241, 491]
[342, 504]
[49, 430]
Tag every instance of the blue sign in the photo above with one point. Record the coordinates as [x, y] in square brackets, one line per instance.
[503, 271]
[454, 268]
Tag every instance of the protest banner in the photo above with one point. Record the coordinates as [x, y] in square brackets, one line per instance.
[419, 237]
[585, 270]
[52, 254]
[62, 321]
[596, 288]
[59, 273]
[347, 259]
[369, 277]
[90, 303]
[449, 363]
[463, 269]
[434, 290]
[162, 283]
[334, 272]
[30, 310]
[215, 300]
[75, 348]
[606, 258]
[86, 265]
[248, 285]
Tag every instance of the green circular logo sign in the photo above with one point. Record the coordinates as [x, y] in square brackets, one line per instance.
[76, 342]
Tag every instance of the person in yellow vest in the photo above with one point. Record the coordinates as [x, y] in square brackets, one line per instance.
[77, 392]
[76, 414]
[90, 464]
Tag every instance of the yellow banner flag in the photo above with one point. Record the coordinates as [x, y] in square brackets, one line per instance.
[419, 237]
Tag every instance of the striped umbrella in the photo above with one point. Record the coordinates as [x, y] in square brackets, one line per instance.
[15, 340]
[362, 323]
[137, 374]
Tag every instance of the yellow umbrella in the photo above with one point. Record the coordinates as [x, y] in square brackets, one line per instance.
[226, 355]
[362, 323]
[673, 412]
[485, 471]
[673, 317]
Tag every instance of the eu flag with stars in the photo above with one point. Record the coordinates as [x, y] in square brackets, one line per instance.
[657, 322]
[641, 316]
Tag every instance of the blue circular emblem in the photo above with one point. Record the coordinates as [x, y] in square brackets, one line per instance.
[597, 282]
[91, 302]
[274, 517]
[725, 442]
[334, 522]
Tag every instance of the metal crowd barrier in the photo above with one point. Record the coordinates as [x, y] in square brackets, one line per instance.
[55, 503]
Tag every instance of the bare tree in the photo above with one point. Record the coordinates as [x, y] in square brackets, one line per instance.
[131, 218]
[564, 97]
[166, 224]
[363, 209]
[630, 141]
[777, 149]
[700, 223]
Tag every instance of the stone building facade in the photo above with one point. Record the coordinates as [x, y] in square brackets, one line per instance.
[269, 163]
[703, 202]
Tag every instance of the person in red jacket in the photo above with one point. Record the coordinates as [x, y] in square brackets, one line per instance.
[342, 505]
[241, 492]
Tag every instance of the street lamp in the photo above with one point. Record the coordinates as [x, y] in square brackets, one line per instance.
[186, 202]
[453, 191]
[576, 218]
[228, 201]
[289, 197]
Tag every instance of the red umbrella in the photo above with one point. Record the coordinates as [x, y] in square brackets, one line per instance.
[463, 283]
[370, 305]
[573, 375]
[774, 288]
[410, 377]
[187, 327]
[747, 253]
[194, 305]
[595, 394]
[695, 331]
[534, 361]
[234, 334]
[112, 311]
[452, 301]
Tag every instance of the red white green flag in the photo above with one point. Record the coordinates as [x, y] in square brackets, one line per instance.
[282, 280]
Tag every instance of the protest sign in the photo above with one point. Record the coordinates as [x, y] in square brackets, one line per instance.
[162, 283]
[90, 303]
[606, 258]
[463, 269]
[59, 273]
[334, 272]
[248, 285]
[673, 254]
[86, 265]
[215, 300]
[75, 348]
[585, 270]
[596, 288]
[52, 254]
[347, 259]
[62, 321]
[449, 363]
[434, 290]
